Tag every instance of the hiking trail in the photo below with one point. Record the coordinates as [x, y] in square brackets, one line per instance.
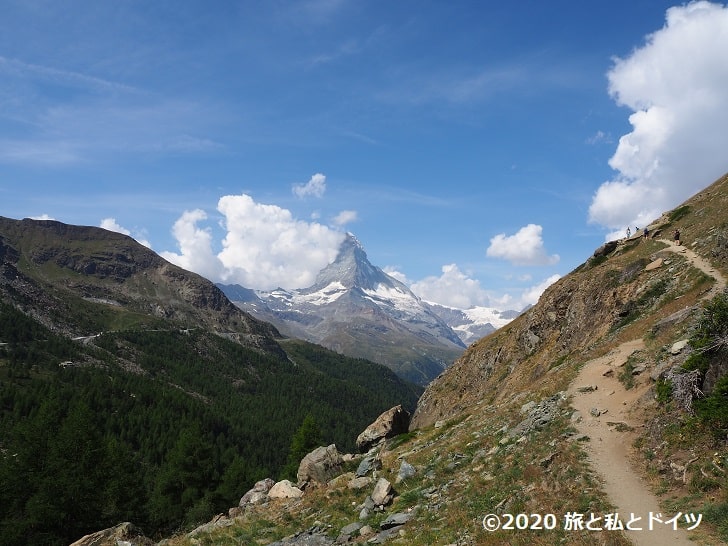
[605, 408]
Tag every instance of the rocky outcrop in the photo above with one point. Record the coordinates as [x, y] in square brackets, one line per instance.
[391, 423]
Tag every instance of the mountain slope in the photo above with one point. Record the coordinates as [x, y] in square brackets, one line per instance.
[132, 389]
[47, 264]
[356, 309]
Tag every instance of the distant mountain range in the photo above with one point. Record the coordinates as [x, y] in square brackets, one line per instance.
[356, 309]
[473, 323]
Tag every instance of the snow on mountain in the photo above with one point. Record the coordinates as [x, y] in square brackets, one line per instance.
[356, 308]
[474, 323]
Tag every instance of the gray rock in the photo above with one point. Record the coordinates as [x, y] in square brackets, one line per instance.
[352, 528]
[391, 423]
[543, 413]
[359, 483]
[284, 490]
[385, 535]
[406, 470]
[368, 464]
[587, 388]
[395, 520]
[124, 532]
[258, 494]
[382, 492]
[606, 249]
[321, 465]
[678, 346]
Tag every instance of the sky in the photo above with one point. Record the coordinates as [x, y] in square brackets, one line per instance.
[478, 150]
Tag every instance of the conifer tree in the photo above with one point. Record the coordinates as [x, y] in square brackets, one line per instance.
[306, 439]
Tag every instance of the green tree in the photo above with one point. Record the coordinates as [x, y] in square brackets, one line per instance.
[306, 439]
[183, 481]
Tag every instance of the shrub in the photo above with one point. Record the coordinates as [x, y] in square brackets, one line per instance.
[678, 213]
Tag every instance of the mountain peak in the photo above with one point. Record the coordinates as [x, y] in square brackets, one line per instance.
[352, 269]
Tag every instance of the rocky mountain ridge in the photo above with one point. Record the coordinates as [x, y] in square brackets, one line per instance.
[356, 309]
[42, 257]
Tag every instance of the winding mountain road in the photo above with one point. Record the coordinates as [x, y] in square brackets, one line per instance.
[604, 408]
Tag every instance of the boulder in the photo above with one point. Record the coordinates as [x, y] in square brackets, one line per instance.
[320, 466]
[124, 533]
[382, 493]
[406, 470]
[258, 494]
[391, 423]
[368, 464]
[285, 490]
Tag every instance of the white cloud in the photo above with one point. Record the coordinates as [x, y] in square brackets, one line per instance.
[42, 217]
[453, 288]
[195, 245]
[531, 295]
[315, 187]
[675, 86]
[394, 272]
[523, 248]
[456, 289]
[345, 217]
[112, 225]
[264, 246]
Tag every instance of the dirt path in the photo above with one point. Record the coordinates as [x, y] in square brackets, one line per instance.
[605, 412]
[700, 263]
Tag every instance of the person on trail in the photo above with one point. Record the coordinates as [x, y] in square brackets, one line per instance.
[676, 236]
[628, 232]
[646, 233]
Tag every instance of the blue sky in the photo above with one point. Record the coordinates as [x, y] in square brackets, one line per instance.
[477, 149]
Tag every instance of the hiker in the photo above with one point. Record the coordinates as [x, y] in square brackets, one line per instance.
[628, 232]
[676, 236]
[646, 233]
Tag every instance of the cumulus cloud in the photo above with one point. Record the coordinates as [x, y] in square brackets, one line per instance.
[453, 288]
[345, 217]
[315, 187]
[264, 246]
[112, 225]
[523, 248]
[531, 295]
[675, 87]
[195, 244]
